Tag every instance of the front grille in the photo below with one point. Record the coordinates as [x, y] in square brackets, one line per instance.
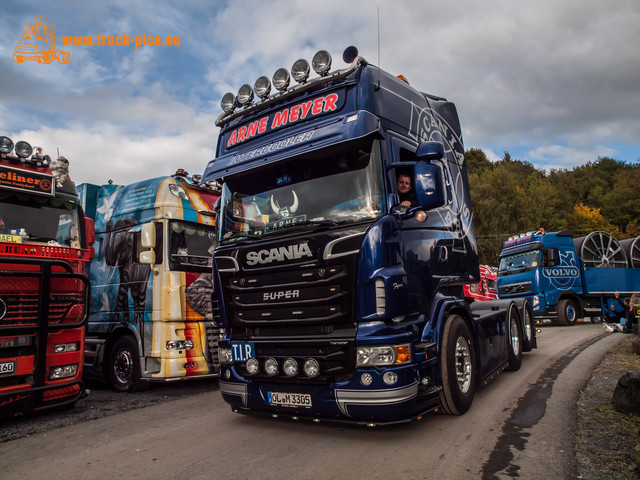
[297, 312]
[515, 289]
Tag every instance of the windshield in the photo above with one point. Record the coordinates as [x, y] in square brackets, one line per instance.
[191, 246]
[324, 188]
[519, 262]
[40, 220]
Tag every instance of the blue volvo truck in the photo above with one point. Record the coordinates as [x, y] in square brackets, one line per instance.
[337, 301]
[567, 279]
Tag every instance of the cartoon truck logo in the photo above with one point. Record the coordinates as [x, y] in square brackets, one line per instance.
[38, 43]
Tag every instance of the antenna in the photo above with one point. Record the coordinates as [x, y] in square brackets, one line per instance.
[58, 152]
[379, 65]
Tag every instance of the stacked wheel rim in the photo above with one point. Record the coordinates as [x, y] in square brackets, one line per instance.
[631, 247]
[601, 249]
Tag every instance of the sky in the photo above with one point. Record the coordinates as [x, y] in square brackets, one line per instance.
[553, 83]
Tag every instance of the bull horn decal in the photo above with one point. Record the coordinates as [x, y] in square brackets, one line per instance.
[274, 206]
[294, 207]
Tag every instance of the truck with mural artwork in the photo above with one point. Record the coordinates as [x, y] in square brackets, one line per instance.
[337, 301]
[151, 318]
[45, 244]
[486, 288]
[569, 279]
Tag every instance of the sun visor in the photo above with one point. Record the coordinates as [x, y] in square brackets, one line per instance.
[353, 126]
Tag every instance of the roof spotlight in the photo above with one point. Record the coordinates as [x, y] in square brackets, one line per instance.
[228, 102]
[245, 94]
[262, 87]
[300, 70]
[6, 144]
[321, 63]
[23, 149]
[281, 79]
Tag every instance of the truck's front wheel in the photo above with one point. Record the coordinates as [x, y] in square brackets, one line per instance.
[124, 366]
[457, 363]
[567, 312]
[514, 339]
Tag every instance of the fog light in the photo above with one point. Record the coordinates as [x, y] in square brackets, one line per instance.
[271, 367]
[311, 368]
[224, 355]
[66, 347]
[290, 367]
[227, 373]
[253, 366]
[425, 381]
[366, 379]
[390, 378]
[65, 371]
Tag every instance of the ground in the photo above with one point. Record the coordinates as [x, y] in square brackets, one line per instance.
[606, 438]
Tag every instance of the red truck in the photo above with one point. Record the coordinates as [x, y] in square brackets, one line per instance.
[486, 288]
[44, 293]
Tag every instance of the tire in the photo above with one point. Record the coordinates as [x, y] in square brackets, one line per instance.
[567, 312]
[63, 57]
[457, 365]
[528, 328]
[514, 339]
[596, 319]
[124, 366]
[46, 58]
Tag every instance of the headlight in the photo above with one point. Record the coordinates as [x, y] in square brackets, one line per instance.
[224, 355]
[290, 367]
[271, 367]
[65, 371]
[536, 300]
[179, 345]
[383, 355]
[311, 367]
[66, 347]
[253, 366]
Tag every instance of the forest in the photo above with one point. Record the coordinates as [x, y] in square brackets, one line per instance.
[510, 197]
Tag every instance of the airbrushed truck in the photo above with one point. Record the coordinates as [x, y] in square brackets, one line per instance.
[151, 318]
[45, 244]
[337, 302]
[569, 279]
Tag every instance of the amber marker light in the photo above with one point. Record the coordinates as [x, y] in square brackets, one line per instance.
[421, 216]
[403, 354]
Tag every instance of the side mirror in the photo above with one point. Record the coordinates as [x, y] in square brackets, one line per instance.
[430, 151]
[429, 184]
[148, 257]
[148, 236]
[89, 231]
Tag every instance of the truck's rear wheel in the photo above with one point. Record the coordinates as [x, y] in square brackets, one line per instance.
[457, 364]
[124, 366]
[514, 338]
[567, 312]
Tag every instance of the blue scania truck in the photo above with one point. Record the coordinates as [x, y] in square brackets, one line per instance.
[569, 279]
[337, 302]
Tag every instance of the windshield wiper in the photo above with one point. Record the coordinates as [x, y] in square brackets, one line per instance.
[329, 223]
[242, 237]
[39, 238]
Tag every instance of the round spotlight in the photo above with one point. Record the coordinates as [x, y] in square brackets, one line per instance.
[228, 102]
[366, 379]
[311, 368]
[350, 54]
[390, 378]
[245, 94]
[290, 367]
[253, 366]
[321, 63]
[281, 79]
[262, 87]
[300, 70]
[23, 149]
[271, 367]
[6, 145]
